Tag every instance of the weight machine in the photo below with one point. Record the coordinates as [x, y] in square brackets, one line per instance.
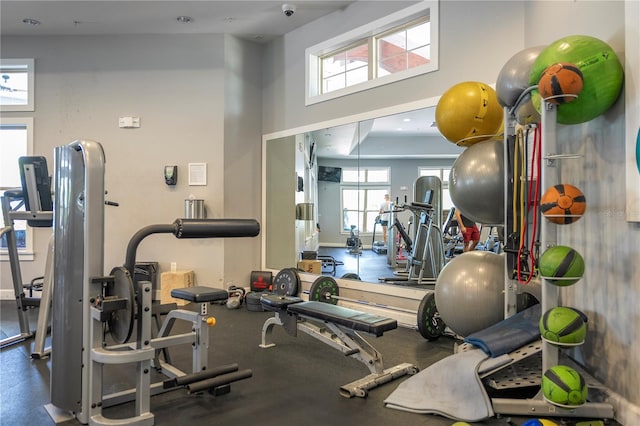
[427, 251]
[89, 307]
[35, 197]
[354, 243]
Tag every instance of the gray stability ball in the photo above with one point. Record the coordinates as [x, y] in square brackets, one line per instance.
[476, 182]
[513, 78]
[469, 291]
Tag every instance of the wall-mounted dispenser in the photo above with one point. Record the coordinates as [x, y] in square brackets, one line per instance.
[171, 175]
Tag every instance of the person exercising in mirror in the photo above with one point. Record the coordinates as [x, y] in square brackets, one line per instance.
[385, 206]
[470, 232]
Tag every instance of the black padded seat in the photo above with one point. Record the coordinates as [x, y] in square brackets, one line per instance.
[350, 318]
[200, 294]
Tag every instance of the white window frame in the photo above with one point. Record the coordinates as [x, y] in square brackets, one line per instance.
[25, 253]
[313, 54]
[29, 63]
[365, 171]
[365, 186]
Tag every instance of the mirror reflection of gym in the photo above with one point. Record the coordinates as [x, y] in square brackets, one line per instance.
[353, 166]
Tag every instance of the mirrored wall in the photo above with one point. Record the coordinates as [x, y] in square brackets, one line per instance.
[324, 185]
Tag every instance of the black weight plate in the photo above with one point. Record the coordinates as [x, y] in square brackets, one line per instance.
[351, 276]
[430, 325]
[322, 290]
[286, 282]
[121, 321]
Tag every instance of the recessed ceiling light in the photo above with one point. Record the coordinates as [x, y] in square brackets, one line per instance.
[30, 21]
[184, 19]
[406, 120]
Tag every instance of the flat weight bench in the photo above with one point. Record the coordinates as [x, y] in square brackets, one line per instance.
[330, 263]
[338, 327]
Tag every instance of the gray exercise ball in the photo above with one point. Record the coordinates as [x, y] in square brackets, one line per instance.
[469, 291]
[513, 78]
[476, 182]
[526, 112]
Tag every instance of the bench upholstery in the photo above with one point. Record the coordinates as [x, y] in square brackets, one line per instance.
[200, 294]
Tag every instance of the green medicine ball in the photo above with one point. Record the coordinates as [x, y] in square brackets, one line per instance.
[561, 261]
[563, 385]
[563, 326]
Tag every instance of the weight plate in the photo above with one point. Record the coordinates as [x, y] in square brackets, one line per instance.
[121, 321]
[286, 282]
[322, 290]
[430, 324]
[351, 276]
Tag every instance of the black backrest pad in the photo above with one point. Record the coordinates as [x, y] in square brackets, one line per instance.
[38, 165]
[356, 320]
[43, 183]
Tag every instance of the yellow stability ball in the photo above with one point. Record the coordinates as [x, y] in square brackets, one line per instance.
[469, 112]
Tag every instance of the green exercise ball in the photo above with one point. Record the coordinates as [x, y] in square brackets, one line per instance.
[601, 70]
[563, 385]
[561, 265]
[563, 325]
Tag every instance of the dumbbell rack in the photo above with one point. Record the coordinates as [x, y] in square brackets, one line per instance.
[528, 356]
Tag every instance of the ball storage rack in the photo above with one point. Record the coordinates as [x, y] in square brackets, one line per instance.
[530, 361]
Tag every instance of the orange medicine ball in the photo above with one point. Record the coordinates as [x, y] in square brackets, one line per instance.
[563, 204]
[558, 80]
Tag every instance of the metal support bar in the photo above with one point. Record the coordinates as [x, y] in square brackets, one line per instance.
[347, 341]
[541, 408]
[44, 312]
[14, 262]
[141, 355]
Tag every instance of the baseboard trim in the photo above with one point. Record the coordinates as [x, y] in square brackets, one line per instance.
[338, 245]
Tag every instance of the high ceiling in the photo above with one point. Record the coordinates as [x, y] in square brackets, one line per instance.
[260, 21]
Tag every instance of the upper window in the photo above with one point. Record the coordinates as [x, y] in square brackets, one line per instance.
[371, 175]
[399, 46]
[16, 85]
[404, 48]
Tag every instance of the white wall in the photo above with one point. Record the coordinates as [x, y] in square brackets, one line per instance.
[242, 154]
[476, 39]
[177, 86]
